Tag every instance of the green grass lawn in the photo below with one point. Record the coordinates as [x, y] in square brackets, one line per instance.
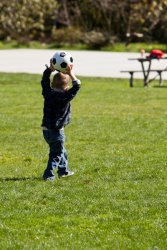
[117, 146]
[116, 47]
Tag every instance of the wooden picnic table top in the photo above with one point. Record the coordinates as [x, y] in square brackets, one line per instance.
[147, 59]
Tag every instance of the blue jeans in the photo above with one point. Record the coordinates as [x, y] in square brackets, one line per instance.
[57, 152]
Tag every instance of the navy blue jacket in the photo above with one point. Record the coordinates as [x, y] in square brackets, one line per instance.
[57, 108]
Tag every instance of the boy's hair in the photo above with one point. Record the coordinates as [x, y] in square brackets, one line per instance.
[60, 81]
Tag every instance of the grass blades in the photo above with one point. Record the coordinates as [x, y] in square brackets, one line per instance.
[116, 47]
[116, 144]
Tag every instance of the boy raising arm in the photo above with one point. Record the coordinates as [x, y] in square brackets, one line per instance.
[56, 115]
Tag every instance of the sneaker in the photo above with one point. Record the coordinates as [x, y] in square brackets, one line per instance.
[65, 174]
[48, 176]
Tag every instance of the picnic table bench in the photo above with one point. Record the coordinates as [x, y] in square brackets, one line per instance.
[146, 80]
[145, 71]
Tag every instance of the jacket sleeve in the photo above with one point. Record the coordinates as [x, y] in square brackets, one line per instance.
[67, 96]
[45, 82]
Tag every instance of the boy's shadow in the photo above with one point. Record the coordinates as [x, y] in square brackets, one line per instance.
[20, 179]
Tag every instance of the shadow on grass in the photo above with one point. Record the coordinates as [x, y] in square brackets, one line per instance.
[160, 87]
[21, 179]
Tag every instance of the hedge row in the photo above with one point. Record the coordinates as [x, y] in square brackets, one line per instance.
[93, 22]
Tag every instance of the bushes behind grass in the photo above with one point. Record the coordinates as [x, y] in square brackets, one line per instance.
[93, 23]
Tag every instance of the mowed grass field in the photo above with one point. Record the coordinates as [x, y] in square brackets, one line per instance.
[117, 146]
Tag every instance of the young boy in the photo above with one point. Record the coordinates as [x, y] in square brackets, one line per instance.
[56, 115]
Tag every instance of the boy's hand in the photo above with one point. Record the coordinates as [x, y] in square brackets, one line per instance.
[69, 69]
[74, 79]
[70, 73]
[51, 65]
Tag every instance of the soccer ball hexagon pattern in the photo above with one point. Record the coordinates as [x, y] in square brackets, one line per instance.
[61, 60]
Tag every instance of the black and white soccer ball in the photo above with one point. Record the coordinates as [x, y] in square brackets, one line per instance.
[61, 60]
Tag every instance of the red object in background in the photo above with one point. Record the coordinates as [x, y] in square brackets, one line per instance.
[156, 53]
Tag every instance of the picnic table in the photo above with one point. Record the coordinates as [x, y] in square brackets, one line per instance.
[146, 70]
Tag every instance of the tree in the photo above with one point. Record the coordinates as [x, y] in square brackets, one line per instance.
[26, 20]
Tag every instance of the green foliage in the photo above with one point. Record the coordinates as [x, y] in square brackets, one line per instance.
[149, 18]
[117, 147]
[129, 21]
[67, 22]
[69, 35]
[26, 20]
[95, 40]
